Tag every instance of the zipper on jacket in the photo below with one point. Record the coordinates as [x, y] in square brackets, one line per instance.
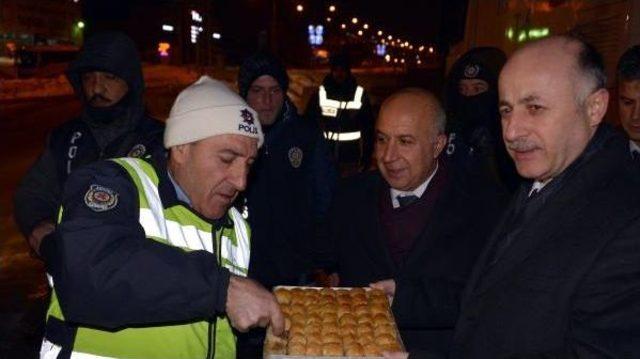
[211, 352]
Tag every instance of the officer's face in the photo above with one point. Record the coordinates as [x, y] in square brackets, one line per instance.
[407, 143]
[629, 108]
[548, 111]
[103, 89]
[213, 171]
[340, 74]
[472, 87]
[267, 98]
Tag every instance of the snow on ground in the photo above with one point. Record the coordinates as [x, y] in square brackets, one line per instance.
[154, 76]
[303, 83]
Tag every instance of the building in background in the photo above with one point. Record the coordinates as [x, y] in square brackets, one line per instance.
[39, 22]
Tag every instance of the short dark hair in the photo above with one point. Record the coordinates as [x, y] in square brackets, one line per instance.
[590, 62]
[628, 68]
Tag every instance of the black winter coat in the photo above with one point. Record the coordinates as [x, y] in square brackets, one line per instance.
[568, 285]
[432, 277]
[288, 194]
[85, 140]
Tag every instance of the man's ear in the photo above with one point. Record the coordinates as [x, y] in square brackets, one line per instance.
[441, 141]
[596, 106]
[180, 153]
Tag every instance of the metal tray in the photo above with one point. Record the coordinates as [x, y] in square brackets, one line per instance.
[268, 355]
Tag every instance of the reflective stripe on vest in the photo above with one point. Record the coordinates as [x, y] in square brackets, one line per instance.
[235, 255]
[330, 107]
[177, 226]
[342, 136]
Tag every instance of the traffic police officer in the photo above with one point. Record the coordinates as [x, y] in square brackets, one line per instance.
[149, 258]
[343, 111]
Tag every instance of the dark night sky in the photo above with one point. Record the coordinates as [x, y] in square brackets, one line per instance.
[418, 21]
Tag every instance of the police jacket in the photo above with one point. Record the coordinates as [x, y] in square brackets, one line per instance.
[344, 114]
[289, 191]
[123, 130]
[136, 272]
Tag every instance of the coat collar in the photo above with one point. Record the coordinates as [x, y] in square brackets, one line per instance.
[592, 170]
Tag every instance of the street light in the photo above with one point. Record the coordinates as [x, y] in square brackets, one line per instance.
[379, 32]
[299, 8]
[431, 50]
[365, 26]
[332, 8]
[390, 37]
[343, 26]
[354, 20]
[80, 24]
[360, 33]
[328, 19]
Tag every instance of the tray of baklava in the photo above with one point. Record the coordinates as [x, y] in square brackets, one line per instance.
[333, 323]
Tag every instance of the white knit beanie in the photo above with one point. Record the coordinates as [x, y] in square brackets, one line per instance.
[208, 108]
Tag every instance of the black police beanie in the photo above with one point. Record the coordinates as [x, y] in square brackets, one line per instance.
[258, 65]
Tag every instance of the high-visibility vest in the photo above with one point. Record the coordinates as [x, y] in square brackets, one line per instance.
[331, 107]
[176, 226]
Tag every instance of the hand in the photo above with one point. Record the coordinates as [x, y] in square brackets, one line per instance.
[395, 355]
[40, 231]
[250, 305]
[388, 286]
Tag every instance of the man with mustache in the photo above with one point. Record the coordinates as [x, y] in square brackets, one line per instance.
[107, 77]
[416, 226]
[629, 97]
[559, 277]
[149, 258]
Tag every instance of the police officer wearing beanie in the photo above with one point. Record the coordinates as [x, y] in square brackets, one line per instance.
[149, 259]
[107, 77]
[290, 184]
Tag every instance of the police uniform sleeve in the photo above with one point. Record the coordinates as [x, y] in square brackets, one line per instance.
[108, 274]
[38, 195]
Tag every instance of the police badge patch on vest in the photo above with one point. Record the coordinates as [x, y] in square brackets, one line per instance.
[137, 151]
[100, 198]
[295, 156]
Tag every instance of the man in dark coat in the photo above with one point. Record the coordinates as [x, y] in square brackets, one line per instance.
[107, 77]
[342, 109]
[289, 188]
[560, 276]
[417, 225]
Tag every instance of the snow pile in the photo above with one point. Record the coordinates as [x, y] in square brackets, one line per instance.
[154, 76]
[34, 87]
